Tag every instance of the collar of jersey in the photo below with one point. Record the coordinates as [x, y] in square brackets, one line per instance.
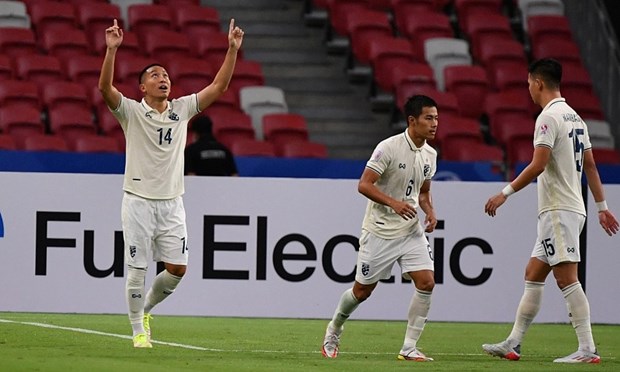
[412, 145]
[150, 109]
[553, 101]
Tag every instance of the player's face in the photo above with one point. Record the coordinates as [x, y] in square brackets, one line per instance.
[156, 82]
[425, 125]
[534, 86]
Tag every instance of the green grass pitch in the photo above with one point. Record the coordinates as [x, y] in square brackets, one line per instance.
[76, 342]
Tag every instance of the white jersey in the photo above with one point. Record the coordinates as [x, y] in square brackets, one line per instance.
[559, 128]
[403, 168]
[156, 141]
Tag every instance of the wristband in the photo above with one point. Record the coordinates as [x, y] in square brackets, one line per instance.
[508, 190]
[601, 206]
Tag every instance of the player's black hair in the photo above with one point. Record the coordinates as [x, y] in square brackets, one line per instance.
[548, 70]
[146, 68]
[415, 104]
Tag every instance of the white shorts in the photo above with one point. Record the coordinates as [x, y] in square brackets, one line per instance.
[377, 256]
[155, 226]
[558, 237]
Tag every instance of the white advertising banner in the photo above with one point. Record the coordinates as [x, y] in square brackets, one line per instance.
[274, 247]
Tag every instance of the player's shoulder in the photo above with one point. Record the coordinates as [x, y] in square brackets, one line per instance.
[429, 149]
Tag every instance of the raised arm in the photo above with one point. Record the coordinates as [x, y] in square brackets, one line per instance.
[219, 85]
[608, 221]
[113, 39]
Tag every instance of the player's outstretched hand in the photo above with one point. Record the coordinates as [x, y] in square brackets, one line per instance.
[493, 203]
[608, 222]
[113, 35]
[235, 35]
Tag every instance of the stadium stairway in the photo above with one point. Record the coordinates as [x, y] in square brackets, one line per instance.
[294, 57]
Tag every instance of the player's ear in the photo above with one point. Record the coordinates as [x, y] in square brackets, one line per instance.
[142, 88]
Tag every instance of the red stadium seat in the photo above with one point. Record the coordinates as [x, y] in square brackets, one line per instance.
[519, 151]
[130, 47]
[195, 20]
[17, 41]
[71, 122]
[507, 131]
[495, 54]
[585, 103]
[44, 142]
[470, 150]
[507, 107]
[228, 100]
[252, 147]
[451, 126]
[48, 15]
[95, 144]
[145, 18]
[165, 45]
[418, 74]
[565, 51]
[191, 74]
[362, 26]
[21, 123]
[84, 70]
[575, 78]
[64, 43]
[231, 125]
[95, 16]
[485, 28]
[549, 26]
[606, 156]
[213, 47]
[470, 85]
[402, 9]
[6, 69]
[247, 73]
[304, 150]
[339, 11]
[386, 53]
[510, 78]
[446, 101]
[128, 70]
[40, 69]
[421, 26]
[175, 3]
[19, 93]
[7, 142]
[464, 8]
[282, 128]
[65, 94]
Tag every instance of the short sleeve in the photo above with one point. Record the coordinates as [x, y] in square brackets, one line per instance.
[379, 159]
[546, 131]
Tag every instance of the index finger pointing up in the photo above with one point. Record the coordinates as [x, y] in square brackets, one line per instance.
[115, 23]
[232, 25]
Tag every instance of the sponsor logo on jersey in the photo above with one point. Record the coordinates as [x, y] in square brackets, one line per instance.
[544, 128]
[132, 251]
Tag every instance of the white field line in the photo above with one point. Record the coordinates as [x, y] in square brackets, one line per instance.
[200, 348]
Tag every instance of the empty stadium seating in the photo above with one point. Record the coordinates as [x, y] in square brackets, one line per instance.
[252, 147]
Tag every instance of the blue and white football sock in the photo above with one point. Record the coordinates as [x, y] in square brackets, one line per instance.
[579, 314]
[416, 318]
[134, 290]
[163, 286]
[348, 303]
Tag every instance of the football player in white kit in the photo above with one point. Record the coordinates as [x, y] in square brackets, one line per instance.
[562, 151]
[396, 180]
[153, 216]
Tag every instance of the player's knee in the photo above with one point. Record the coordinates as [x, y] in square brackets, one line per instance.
[362, 294]
[426, 285]
[176, 270]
